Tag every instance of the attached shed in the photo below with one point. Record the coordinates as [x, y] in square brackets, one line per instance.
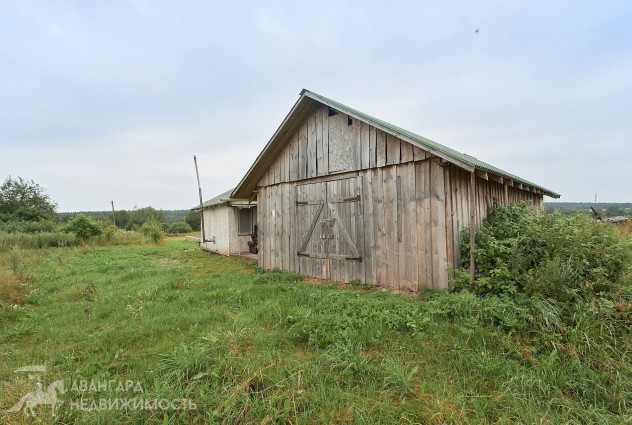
[342, 195]
[228, 224]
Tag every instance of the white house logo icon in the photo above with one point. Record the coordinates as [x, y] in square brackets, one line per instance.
[40, 396]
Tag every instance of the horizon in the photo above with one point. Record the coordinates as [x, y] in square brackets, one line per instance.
[110, 101]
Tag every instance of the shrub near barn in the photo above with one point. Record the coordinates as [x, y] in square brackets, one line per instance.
[555, 256]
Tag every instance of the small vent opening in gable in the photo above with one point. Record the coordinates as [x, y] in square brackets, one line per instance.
[349, 121]
[332, 112]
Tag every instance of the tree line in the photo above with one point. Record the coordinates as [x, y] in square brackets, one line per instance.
[26, 207]
[606, 209]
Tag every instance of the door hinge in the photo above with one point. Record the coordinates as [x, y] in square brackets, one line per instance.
[352, 199]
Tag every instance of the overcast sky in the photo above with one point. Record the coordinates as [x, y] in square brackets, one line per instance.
[109, 100]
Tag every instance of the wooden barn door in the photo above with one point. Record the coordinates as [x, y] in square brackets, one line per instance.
[329, 229]
[311, 213]
[346, 236]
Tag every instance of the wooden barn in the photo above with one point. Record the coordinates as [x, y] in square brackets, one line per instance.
[342, 195]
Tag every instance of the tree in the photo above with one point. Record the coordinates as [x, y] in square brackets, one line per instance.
[614, 210]
[83, 227]
[138, 217]
[25, 200]
[180, 227]
[153, 230]
[122, 218]
[193, 218]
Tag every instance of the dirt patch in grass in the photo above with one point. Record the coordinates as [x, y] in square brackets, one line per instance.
[12, 290]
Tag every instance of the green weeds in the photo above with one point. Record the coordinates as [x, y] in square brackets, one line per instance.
[254, 346]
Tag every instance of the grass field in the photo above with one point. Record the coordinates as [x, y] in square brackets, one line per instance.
[247, 346]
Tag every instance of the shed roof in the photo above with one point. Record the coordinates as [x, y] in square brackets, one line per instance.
[225, 199]
[298, 111]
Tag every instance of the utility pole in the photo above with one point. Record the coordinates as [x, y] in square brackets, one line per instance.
[197, 174]
[113, 217]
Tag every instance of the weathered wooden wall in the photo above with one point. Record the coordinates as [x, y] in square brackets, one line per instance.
[326, 145]
[394, 205]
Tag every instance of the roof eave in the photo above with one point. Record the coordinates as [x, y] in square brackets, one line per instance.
[248, 183]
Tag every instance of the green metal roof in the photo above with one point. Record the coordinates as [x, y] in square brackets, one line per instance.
[450, 154]
[224, 198]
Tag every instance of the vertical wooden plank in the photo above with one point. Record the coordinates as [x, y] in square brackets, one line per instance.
[406, 150]
[458, 217]
[260, 224]
[365, 145]
[449, 228]
[277, 170]
[379, 228]
[325, 166]
[293, 167]
[279, 226]
[265, 181]
[268, 228]
[418, 154]
[390, 223]
[357, 142]
[288, 161]
[291, 225]
[408, 244]
[422, 250]
[472, 192]
[273, 227]
[311, 145]
[393, 150]
[372, 148]
[320, 153]
[302, 218]
[368, 222]
[360, 266]
[286, 232]
[437, 206]
[399, 200]
[380, 141]
[333, 245]
[302, 152]
[281, 246]
[427, 196]
[282, 165]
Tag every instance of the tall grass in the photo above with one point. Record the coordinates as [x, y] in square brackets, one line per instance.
[36, 240]
[254, 346]
[625, 228]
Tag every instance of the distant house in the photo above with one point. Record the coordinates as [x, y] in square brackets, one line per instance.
[342, 195]
[228, 224]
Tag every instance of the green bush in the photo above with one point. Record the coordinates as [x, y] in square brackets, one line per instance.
[110, 234]
[83, 227]
[152, 229]
[180, 227]
[554, 256]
